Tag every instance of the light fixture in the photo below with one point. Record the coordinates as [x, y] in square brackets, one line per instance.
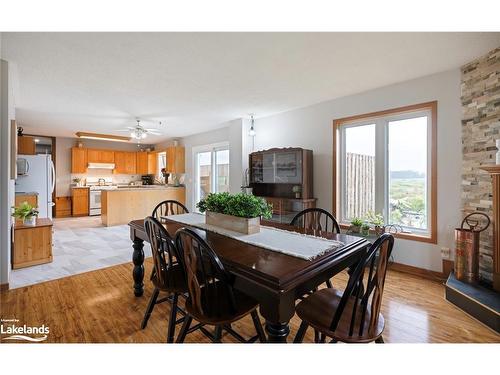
[138, 132]
[37, 140]
[102, 137]
[252, 132]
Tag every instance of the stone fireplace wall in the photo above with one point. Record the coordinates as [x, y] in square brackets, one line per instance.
[480, 88]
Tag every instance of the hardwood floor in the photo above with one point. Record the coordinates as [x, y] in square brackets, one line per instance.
[99, 306]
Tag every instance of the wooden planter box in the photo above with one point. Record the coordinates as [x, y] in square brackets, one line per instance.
[234, 223]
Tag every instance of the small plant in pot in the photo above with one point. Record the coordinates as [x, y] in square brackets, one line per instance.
[237, 212]
[365, 229]
[25, 212]
[356, 224]
[378, 222]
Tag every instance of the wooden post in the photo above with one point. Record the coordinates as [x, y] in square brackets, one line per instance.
[494, 171]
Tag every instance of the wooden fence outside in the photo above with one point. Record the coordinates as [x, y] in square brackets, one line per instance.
[360, 176]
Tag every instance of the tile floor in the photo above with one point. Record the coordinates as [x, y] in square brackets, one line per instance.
[79, 245]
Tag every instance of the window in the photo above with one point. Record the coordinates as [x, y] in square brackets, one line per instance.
[162, 163]
[211, 170]
[385, 163]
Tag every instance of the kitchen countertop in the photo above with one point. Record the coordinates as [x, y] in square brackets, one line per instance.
[26, 193]
[145, 187]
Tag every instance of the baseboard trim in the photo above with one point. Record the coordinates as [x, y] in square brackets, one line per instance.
[416, 271]
[4, 287]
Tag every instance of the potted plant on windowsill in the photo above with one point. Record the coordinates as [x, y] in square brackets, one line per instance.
[237, 212]
[356, 224]
[365, 229]
[378, 222]
[25, 212]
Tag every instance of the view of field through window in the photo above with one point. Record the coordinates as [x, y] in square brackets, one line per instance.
[405, 197]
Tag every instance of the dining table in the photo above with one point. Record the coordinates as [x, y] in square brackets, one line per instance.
[274, 279]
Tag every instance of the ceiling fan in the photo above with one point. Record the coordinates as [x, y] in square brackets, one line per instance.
[139, 132]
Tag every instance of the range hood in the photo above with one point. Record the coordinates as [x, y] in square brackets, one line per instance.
[101, 166]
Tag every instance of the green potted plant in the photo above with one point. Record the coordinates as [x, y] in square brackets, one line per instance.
[365, 229]
[378, 222]
[297, 189]
[25, 212]
[237, 212]
[356, 224]
[77, 181]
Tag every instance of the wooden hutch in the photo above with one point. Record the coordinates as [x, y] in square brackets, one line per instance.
[284, 178]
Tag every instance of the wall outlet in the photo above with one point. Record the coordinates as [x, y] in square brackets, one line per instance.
[445, 252]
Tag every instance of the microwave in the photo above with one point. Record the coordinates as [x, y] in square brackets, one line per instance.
[23, 167]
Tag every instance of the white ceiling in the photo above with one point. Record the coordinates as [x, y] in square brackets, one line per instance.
[193, 82]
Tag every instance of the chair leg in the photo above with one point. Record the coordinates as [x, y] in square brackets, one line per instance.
[316, 336]
[149, 309]
[258, 326]
[329, 284]
[299, 337]
[184, 329]
[218, 334]
[380, 340]
[172, 320]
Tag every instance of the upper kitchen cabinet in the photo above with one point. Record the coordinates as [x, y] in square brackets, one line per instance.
[152, 163]
[146, 162]
[25, 145]
[125, 162]
[100, 156]
[175, 159]
[79, 160]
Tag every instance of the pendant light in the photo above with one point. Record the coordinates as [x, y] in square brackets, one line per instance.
[252, 132]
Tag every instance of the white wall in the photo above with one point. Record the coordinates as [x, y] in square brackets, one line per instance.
[7, 113]
[311, 128]
[231, 132]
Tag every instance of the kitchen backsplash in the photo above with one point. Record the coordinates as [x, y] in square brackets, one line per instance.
[116, 178]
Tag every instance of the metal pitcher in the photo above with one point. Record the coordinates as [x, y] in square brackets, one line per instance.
[467, 248]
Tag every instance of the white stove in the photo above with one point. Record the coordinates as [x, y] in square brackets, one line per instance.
[96, 186]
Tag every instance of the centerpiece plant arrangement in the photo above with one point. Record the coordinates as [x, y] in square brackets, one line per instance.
[25, 212]
[236, 212]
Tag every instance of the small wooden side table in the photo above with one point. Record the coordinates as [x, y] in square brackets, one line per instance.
[32, 244]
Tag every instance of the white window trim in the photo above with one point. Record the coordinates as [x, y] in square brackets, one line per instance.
[213, 147]
[382, 164]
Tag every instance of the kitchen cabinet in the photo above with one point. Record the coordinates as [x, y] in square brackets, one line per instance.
[80, 201]
[146, 163]
[142, 162]
[32, 244]
[100, 156]
[125, 162]
[79, 160]
[152, 163]
[175, 159]
[25, 145]
[32, 199]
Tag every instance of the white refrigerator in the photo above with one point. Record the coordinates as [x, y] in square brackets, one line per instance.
[40, 178]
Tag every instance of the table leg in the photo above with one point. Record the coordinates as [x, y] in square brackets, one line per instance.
[138, 272]
[277, 332]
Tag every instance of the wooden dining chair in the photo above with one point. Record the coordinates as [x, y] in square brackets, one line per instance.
[316, 219]
[212, 299]
[167, 208]
[354, 315]
[168, 275]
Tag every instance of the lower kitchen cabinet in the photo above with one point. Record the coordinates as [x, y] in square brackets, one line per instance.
[80, 201]
[32, 244]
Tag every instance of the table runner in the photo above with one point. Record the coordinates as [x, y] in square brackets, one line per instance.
[291, 243]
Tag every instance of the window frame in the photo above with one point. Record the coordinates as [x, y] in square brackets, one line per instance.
[429, 108]
[212, 148]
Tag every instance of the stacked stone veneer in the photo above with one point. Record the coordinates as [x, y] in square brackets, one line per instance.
[480, 128]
